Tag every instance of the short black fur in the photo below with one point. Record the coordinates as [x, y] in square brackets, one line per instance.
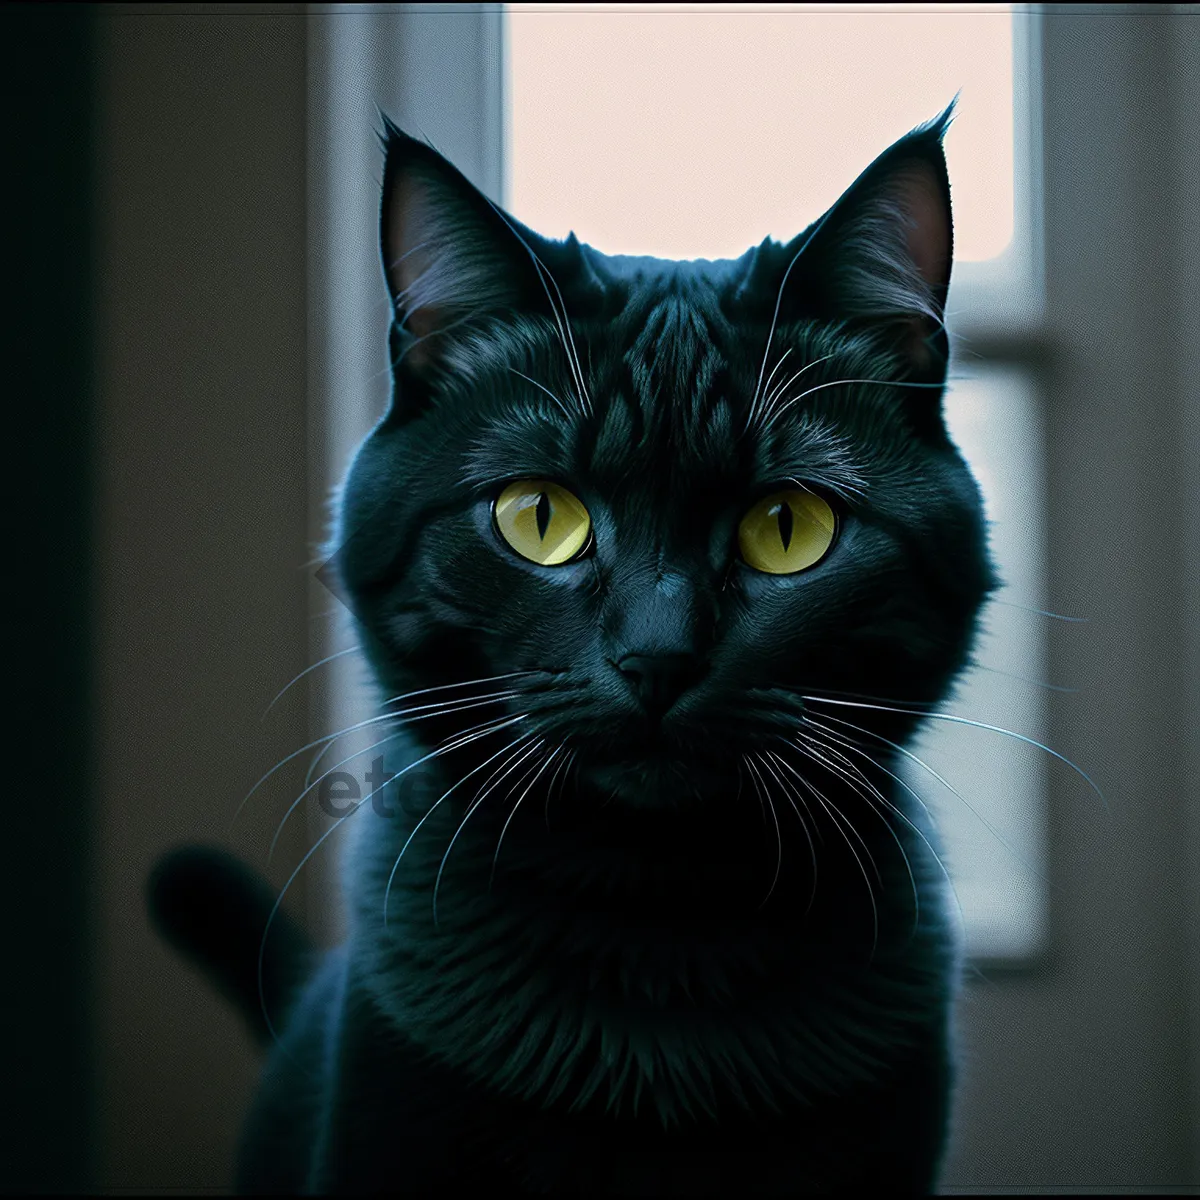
[645, 914]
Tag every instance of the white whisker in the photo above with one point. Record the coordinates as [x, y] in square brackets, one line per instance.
[766, 794]
[792, 796]
[443, 708]
[559, 312]
[316, 782]
[774, 396]
[834, 736]
[778, 303]
[283, 690]
[842, 383]
[479, 799]
[465, 683]
[834, 814]
[857, 779]
[500, 839]
[920, 762]
[565, 411]
[766, 386]
[432, 809]
[813, 723]
[939, 716]
[563, 767]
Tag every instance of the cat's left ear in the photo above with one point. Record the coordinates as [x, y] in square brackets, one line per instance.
[447, 252]
[453, 260]
[881, 255]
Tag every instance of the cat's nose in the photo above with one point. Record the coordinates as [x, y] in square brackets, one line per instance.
[658, 680]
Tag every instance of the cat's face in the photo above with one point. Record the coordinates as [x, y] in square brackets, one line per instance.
[647, 506]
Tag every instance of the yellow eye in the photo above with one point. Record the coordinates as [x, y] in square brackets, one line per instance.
[787, 532]
[542, 521]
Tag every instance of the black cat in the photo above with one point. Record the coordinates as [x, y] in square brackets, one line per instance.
[645, 910]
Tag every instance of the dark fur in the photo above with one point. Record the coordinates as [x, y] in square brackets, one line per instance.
[616, 999]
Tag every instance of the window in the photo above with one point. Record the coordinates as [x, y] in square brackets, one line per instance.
[691, 133]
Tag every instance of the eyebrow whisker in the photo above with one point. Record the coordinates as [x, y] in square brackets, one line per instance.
[541, 387]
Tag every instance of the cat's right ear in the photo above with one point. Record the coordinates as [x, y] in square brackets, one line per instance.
[881, 256]
[450, 257]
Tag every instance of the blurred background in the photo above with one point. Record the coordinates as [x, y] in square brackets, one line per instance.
[196, 344]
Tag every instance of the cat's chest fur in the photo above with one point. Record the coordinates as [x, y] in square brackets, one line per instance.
[352, 1103]
[663, 984]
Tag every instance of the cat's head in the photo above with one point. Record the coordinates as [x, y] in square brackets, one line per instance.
[646, 506]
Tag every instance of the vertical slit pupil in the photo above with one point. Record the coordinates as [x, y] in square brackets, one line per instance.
[543, 515]
[785, 525]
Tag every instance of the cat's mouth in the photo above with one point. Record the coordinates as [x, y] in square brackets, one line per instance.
[655, 777]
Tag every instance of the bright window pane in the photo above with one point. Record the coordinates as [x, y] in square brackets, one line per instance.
[993, 830]
[696, 131]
